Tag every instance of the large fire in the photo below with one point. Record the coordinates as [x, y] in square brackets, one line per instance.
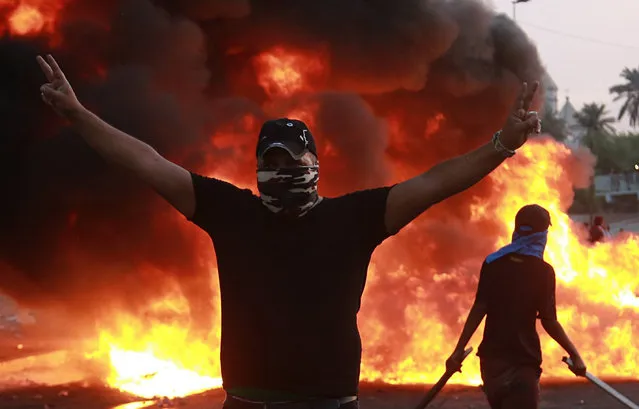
[162, 362]
[156, 354]
[160, 359]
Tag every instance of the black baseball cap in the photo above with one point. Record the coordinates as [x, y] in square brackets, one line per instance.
[291, 135]
[533, 216]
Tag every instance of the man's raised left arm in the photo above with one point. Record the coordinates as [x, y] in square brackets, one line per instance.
[409, 199]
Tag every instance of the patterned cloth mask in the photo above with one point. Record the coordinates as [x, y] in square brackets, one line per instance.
[291, 191]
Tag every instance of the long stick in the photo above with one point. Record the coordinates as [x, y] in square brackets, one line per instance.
[607, 388]
[432, 393]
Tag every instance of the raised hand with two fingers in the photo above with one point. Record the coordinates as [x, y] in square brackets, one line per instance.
[521, 122]
[57, 92]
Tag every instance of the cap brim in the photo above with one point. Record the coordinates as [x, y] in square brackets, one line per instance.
[294, 155]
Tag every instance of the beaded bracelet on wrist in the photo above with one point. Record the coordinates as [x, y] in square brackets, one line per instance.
[499, 147]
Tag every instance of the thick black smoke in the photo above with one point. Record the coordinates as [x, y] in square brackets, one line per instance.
[179, 75]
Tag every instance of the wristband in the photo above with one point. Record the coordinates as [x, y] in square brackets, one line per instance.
[499, 147]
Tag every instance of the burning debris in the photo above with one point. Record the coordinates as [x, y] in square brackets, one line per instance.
[402, 88]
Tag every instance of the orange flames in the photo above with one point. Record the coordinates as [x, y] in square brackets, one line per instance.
[159, 359]
[596, 299]
[29, 17]
[283, 74]
[597, 286]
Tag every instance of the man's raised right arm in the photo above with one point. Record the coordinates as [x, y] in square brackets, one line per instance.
[168, 179]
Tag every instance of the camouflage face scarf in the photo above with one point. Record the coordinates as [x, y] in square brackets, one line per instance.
[291, 191]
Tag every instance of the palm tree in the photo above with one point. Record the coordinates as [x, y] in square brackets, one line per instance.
[630, 91]
[594, 119]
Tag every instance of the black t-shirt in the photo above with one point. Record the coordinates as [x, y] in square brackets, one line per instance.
[516, 290]
[290, 289]
[597, 233]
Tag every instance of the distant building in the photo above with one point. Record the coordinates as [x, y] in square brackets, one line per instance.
[566, 113]
[575, 131]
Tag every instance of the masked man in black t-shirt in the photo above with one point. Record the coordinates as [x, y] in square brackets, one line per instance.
[516, 286]
[292, 264]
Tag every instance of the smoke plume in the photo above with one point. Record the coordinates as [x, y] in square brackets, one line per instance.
[404, 85]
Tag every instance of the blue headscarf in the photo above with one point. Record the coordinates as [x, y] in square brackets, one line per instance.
[527, 245]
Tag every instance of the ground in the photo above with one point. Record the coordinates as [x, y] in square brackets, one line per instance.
[581, 395]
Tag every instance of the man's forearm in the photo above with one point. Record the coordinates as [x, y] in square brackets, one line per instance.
[409, 199]
[111, 143]
[171, 181]
[462, 172]
[556, 332]
[475, 316]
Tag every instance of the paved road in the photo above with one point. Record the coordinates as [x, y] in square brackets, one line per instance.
[579, 395]
[631, 225]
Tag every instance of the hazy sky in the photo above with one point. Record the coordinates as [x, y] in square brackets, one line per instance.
[584, 44]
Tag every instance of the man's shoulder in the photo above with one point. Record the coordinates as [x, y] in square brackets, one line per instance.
[219, 203]
[361, 195]
[357, 202]
[360, 215]
[214, 183]
[550, 270]
[519, 261]
[540, 264]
